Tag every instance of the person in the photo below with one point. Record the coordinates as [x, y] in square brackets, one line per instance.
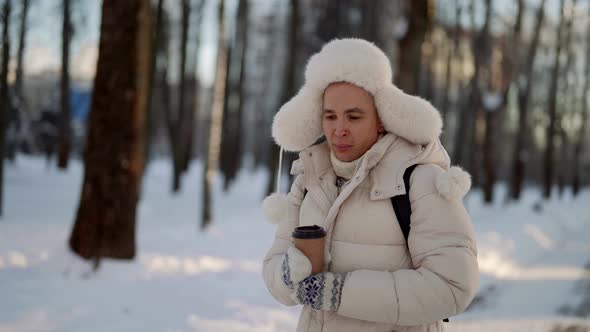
[373, 279]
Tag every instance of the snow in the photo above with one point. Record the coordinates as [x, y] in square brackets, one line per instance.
[187, 280]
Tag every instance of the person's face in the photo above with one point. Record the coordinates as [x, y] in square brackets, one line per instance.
[349, 120]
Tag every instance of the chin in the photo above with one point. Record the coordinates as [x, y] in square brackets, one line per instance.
[345, 156]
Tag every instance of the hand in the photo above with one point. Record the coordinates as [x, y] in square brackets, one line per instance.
[296, 267]
[320, 291]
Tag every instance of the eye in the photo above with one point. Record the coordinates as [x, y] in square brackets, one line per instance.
[353, 118]
[329, 117]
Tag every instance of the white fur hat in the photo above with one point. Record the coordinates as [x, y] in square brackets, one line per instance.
[298, 123]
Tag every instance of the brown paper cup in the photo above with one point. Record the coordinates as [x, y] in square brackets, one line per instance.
[310, 240]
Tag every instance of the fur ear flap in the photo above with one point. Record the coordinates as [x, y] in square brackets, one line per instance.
[298, 123]
[410, 117]
[275, 207]
[454, 183]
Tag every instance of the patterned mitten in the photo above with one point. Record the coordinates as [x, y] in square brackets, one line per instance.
[320, 291]
[296, 267]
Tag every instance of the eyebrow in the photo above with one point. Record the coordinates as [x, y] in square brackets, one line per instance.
[350, 110]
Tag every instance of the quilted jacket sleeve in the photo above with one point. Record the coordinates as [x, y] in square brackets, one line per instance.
[271, 268]
[443, 251]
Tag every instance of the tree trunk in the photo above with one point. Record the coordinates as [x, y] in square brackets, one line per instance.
[183, 125]
[17, 114]
[4, 102]
[502, 76]
[105, 221]
[216, 120]
[288, 87]
[150, 121]
[180, 135]
[243, 27]
[231, 142]
[195, 102]
[580, 140]
[453, 50]
[65, 131]
[330, 24]
[228, 131]
[428, 73]
[371, 18]
[410, 46]
[563, 166]
[18, 82]
[471, 108]
[563, 161]
[261, 145]
[552, 110]
[520, 153]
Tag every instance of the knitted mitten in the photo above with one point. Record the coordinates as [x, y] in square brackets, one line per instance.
[296, 267]
[320, 291]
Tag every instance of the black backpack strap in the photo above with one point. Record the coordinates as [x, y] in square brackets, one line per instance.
[403, 209]
[401, 204]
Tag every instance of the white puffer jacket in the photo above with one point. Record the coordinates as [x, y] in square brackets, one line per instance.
[389, 285]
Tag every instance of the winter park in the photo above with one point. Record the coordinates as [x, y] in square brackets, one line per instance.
[295, 165]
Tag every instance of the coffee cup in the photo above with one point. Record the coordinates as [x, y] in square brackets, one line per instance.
[310, 240]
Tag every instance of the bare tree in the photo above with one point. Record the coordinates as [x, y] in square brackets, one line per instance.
[18, 82]
[184, 127]
[471, 107]
[162, 93]
[65, 127]
[580, 140]
[330, 25]
[552, 109]
[157, 43]
[235, 94]
[521, 150]
[371, 19]
[429, 57]
[178, 125]
[567, 104]
[289, 83]
[410, 54]
[502, 78]
[451, 54]
[4, 102]
[265, 56]
[216, 118]
[105, 221]
[194, 87]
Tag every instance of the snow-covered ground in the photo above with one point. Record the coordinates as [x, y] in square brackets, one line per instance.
[532, 262]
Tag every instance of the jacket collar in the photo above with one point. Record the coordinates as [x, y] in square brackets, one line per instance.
[384, 163]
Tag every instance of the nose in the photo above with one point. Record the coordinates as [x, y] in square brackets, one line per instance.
[341, 129]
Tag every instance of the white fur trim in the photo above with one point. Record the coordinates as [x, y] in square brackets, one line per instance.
[454, 183]
[410, 117]
[298, 123]
[275, 207]
[351, 60]
[299, 265]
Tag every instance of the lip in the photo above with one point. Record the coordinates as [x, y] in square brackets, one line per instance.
[342, 147]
